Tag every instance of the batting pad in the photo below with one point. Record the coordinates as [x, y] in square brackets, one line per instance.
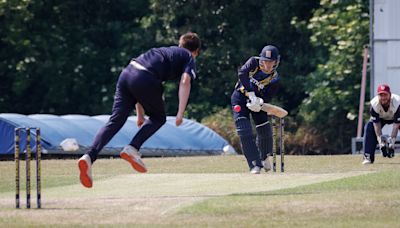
[264, 139]
[249, 148]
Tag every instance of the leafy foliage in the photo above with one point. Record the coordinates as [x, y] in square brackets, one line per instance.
[65, 56]
[236, 30]
[339, 33]
[222, 122]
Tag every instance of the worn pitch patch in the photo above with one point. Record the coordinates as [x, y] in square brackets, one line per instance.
[145, 197]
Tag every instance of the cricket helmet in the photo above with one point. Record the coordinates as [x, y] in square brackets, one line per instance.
[270, 53]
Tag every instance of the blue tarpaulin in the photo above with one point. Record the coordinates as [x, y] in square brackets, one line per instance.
[191, 138]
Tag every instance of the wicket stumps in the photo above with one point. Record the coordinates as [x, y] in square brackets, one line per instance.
[28, 152]
[278, 124]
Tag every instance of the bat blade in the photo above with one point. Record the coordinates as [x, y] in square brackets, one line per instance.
[274, 110]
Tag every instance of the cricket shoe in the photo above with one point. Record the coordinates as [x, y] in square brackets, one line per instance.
[384, 151]
[390, 152]
[266, 164]
[132, 155]
[85, 168]
[366, 160]
[255, 170]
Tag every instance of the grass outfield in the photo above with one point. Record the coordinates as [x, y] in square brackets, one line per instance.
[215, 191]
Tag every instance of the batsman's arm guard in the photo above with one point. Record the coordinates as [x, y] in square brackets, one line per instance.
[274, 110]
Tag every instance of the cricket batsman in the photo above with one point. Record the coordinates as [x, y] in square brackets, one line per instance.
[258, 82]
[385, 109]
[140, 86]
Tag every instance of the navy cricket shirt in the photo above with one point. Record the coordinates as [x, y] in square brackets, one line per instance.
[168, 63]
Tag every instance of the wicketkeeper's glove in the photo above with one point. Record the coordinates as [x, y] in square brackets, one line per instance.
[391, 143]
[382, 140]
[383, 143]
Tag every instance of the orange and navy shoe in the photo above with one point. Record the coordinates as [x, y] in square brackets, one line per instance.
[85, 168]
[132, 155]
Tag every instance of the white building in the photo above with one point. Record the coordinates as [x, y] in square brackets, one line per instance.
[385, 43]
[384, 52]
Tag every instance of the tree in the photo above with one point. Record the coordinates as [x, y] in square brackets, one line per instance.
[339, 33]
[232, 31]
[64, 56]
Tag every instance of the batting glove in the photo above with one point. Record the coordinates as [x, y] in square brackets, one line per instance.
[253, 107]
[254, 99]
[255, 102]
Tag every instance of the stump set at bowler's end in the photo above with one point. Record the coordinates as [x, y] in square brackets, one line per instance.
[28, 152]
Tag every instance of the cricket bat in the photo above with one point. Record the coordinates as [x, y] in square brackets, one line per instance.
[274, 110]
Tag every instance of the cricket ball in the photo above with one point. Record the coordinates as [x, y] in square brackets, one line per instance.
[237, 108]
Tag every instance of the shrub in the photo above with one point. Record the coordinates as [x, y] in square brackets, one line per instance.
[222, 123]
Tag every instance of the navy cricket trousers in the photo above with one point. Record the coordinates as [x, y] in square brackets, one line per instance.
[257, 150]
[133, 86]
[370, 138]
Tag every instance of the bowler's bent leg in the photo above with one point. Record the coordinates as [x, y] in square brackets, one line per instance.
[154, 107]
[122, 108]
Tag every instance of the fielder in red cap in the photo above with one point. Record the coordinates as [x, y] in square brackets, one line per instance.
[385, 109]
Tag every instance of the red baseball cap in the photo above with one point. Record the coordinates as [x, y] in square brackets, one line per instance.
[384, 89]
